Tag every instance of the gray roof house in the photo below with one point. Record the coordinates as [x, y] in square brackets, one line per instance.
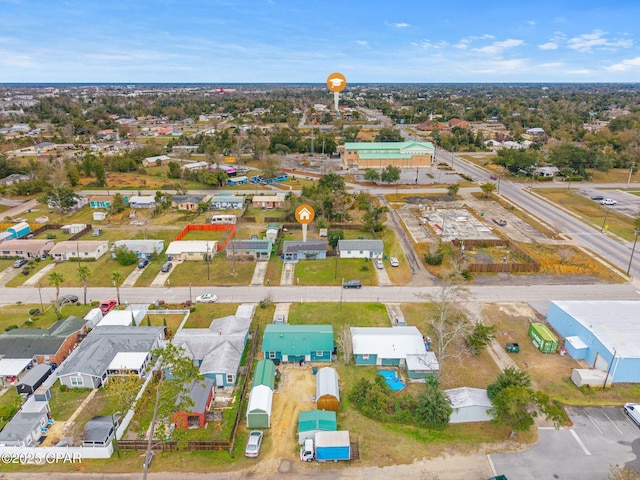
[294, 250]
[218, 350]
[224, 202]
[90, 363]
[142, 248]
[360, 248]
[24, 429]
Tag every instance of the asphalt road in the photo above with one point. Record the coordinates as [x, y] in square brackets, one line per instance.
[290, 294]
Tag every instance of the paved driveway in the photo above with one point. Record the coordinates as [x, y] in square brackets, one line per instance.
[599, 438]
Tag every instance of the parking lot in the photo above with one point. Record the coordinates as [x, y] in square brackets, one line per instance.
[600, 437]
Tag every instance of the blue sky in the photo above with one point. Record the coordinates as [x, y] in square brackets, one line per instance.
[223, 41]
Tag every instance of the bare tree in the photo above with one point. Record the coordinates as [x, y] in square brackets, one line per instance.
[445, 321]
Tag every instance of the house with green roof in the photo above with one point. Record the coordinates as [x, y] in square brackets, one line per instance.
[314, 421]
[294, 343]
[264, 374]
[409, 154]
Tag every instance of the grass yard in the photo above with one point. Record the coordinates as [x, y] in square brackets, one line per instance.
[66, 401]
[332, 270]
[101, 271]
[339, 314]
[214, 235]
[9, 404]
[590, 211]
[158, 320]
[274, 271]
[220, 272]
[19, 315]
[206, 312]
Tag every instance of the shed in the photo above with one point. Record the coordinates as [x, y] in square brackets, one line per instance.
[327, 389]
[543, 338]
[99, 431]
[469, 405]
[32, 380]
[99, 216]
[590, 377]
[419, 366]
[264, 374]
[259, 408]
[19, 230]
[201, 394]
[73, 228]
[314, 421]
[576, 348]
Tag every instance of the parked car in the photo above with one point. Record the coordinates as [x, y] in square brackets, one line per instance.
[633, 410]
[68, 299]
[394, 262]
[352, 284]
[96, 232]
[378, 263]
[107, 305]
[493, 177]
[20, 263]
[254, 443]
[143, 263]
[166, 267]
[608, 201]
[597, 197]
[206, 298]
[279, 319]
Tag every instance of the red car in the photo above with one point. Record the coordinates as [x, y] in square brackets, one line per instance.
[107, 305]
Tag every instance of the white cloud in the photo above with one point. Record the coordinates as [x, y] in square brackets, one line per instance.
[548, 46]
[400, 25]
[550, 65]
[628, 64]
[497, 47]
[597, 40]
[362, 43]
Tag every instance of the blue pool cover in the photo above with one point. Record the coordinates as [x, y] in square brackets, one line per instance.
[392, 380]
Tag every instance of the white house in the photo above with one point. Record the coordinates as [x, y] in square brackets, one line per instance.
[124, 318]
[386, 345]
[195, 166]
[191, 249]
[142, 201]
[360, 248]
[85, 249]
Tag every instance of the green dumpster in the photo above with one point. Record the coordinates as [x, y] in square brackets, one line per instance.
[512, 347]
[543, 338]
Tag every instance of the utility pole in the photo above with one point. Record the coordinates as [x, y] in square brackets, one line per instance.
[606, 212]
[633, 250]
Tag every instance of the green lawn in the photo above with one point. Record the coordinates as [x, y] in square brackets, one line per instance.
[332, 270]
[9, 403]
[64, 402]
[158, 320]
[353, 314]
[206, 312]
[35, 266]
[19, 315]
[220, 272]
[101, 271]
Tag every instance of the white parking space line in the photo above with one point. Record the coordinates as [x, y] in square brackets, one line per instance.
[594, 423]
[614, 425]
[584, 448]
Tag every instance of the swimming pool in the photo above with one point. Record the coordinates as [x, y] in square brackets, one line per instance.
[392, 380]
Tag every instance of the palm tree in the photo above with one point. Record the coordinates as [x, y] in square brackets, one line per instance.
[56, 279]
[117, 278]
[83, 274]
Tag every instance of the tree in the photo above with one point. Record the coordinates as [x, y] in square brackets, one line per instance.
[61, 198]
[514, 406]
[344, 342]
[83, 274]
[56, 279]
[434, 408]
[171, 390]
[174, 170]
[445, 320]
[331, 182]
[388, 135]
[334, 236]
[117, 204]
[509, 377]
[487, 189]
[117, 279]
[390, 174]
[481, 337]
[372, 175]
[125, 257]
[452, 190]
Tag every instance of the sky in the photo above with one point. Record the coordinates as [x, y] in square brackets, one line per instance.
[299, 41]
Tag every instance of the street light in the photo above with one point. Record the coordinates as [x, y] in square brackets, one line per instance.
[633, 250]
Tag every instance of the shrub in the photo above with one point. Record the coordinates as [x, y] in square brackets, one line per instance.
[11, 327]
[434, 258]
[34, 312]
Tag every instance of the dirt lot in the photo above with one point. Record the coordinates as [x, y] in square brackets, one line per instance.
[294, 394]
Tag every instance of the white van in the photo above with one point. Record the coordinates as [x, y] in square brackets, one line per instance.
[633, 410]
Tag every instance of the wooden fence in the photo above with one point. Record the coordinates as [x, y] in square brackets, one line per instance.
[208, 445]
[528, 266]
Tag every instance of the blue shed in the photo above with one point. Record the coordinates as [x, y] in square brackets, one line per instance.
[606, 334]
[19, 230]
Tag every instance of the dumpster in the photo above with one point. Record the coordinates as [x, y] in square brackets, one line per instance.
[512, 347]
[543, 338]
